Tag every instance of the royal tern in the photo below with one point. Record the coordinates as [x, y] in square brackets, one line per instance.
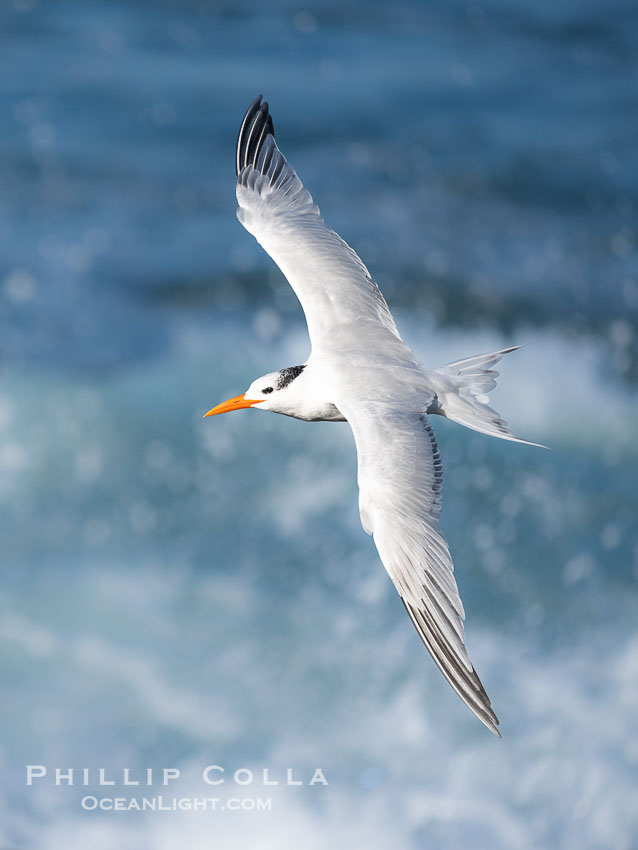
[361, 371]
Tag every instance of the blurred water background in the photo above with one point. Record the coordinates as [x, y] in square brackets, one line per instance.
[177, 593]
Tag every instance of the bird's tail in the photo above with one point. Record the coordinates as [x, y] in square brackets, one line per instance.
[462, 389]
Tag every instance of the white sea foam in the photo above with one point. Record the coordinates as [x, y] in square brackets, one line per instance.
[406, 771]
[254, 623]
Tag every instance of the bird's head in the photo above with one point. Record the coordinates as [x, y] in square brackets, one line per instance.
[275, 391]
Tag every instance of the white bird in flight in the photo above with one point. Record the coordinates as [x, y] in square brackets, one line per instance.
[360, 371]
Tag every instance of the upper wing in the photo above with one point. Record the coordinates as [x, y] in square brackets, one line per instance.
[400, 480]
[333, 285]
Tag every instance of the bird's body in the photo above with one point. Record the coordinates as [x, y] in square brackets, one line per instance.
[361, 371]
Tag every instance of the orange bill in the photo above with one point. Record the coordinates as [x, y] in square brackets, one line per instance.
[233, 404]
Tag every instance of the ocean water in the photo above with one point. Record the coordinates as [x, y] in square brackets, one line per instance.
[177, 593]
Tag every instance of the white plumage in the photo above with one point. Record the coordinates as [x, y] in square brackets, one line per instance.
[360, 370]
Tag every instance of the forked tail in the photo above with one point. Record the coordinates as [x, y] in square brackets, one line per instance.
[462, 387]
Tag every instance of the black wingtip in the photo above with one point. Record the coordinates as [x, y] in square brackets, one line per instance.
[254, 129]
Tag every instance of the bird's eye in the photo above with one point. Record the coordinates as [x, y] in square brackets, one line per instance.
[267, 390]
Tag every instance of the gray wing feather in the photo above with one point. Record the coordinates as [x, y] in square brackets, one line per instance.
[400, 484]
[332, 283]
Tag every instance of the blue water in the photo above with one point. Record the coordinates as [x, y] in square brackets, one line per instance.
[179, 593]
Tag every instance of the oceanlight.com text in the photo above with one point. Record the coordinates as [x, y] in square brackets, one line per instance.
[176, 804]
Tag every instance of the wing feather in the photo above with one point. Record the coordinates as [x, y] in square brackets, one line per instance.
[400, 486]
[333, 285]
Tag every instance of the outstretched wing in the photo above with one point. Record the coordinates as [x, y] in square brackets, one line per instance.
[333, 285]
[400, 480]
